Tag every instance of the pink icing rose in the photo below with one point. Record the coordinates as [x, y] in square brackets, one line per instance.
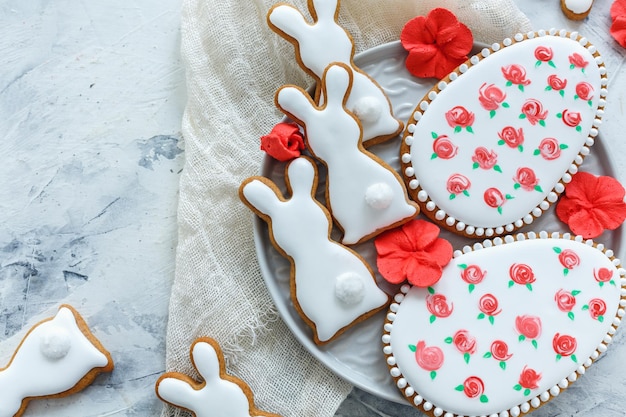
[500, 351]
[437, 305]
[528, 326]
[529, 378]
[493, 197]
[597, 307]
[512, 137]
[488, 304]
[429, 358]
[464, 342]
[549, 149]
[584, 90]
[459, 116]
[473, 387]
[543, 53]
[284, 142]
[521, 274]
[473, 274]
[571, 118]
[569, 259]
[515, 74]
[563, 344]
[485, 158]
[458, 184]
[444, 148]
[490, 96]
[602, 274]
[533, 110]
[577, 60]
[556, 83]
[526, 178]
[565, 300]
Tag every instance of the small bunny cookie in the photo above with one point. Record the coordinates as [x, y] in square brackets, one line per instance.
[363, 193]
[58, 357]
[219, 395]
[332, 287]
[323, 42]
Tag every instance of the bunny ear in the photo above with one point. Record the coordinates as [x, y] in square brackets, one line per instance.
[176, 390]
[206, 359]
[337, 83]
[261, 195]
[296, 103]
[325, 10]
[301, 173]
[288, 20]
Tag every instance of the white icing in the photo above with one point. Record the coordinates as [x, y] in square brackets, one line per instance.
[300, 228]
[334, 135]
[368, 109]
[413, 323]
[324, 42]
[578, 6]
[55, 342]
[217, 398]
[32, 374]
[379, 196]
[514, 201]
[349, 288]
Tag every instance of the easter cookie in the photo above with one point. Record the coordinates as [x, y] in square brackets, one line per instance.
[323, 42]
[332, 287]
[58, 357]
[491, 147]
[512, 322]
[217, 395]
[363, 193]
[576, 9]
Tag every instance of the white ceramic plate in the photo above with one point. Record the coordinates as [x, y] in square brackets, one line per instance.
[357, 354]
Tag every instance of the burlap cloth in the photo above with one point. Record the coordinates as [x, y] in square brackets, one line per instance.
[234, 64]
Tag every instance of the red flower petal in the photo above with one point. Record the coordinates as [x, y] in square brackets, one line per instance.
[592, 204]
[618, 8]
[413, 252]
[437, 43]
[618, 30]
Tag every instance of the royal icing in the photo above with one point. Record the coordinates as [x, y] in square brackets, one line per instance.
[217, 397]
[324, 42]
[509, 324]
[364, 194]
[578, 6]
[53, 358]
[324, 273]
[490, 150]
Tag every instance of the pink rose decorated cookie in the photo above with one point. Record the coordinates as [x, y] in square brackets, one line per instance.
[477, 344]
[493, 145]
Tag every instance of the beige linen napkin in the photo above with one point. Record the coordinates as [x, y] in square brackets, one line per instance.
[234, 65]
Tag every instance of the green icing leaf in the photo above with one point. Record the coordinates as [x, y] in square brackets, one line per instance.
[466, 357]
[434, 135]
[469, 129]
[551, 64]
[432, 318]
[573, 357]
[459, 388]
[511, 283]
[601, 319]
[412, 348]
[466, 193]
[565, 271]
[585, 307]
[497, 168]
[471, 288]
[481, 316]
[534, 343]
[462, 266]
[558, 357]
[448, 340]
[492, 113]
[527, 391]
[487, 355]
[457, 129]
[542, 123]
[538, 188]
[556, 249]
[562, 93]
[475, 165]
[505, 105]
[522, 116]
[563, 146]
[520, 87]
[529, 286]
[430, 290]
[517, 387]
[484, 399]
[521, 338]
[433, 156]
[517, 185]
[548, 88]
[509, 83]
[500, 142]
[536, 152]
[575, 292]
[503, 365]
[491, 319]
[570, 315]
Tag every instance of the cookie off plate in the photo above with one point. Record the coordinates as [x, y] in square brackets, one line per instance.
[357, 355]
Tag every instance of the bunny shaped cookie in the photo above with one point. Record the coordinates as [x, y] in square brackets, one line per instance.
[57, 357]
[219, 395]
[364, 194]
[324, 42]
[331, 285]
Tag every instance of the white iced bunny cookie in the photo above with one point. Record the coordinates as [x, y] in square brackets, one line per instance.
[57, 357]
[332, 287]
[218, 395]
[323, 42]
[364, 194]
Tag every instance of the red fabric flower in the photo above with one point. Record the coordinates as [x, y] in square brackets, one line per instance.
[592, 204]
[618, 28]
[413, 252]
[437, 43]
[284, 142]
